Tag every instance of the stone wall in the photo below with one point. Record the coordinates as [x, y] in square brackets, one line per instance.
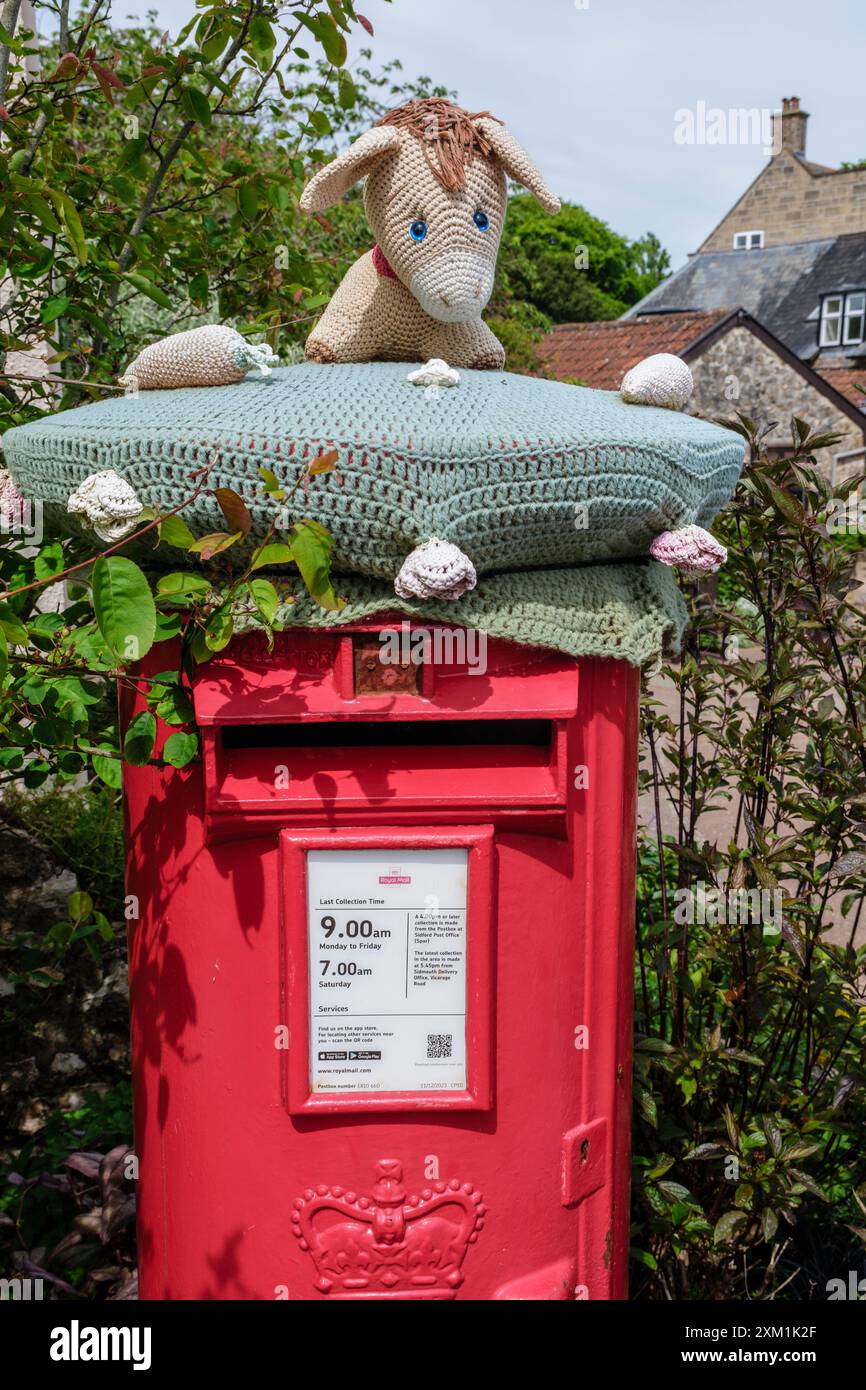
[788, 204]
[739, 372]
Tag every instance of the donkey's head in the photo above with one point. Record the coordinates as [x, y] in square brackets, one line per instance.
[435, 197]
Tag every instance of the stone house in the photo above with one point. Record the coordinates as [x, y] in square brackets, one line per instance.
[792, 199]
[770, 312]
[737, 365]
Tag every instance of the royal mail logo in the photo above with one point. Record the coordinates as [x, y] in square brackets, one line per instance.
[395, 876]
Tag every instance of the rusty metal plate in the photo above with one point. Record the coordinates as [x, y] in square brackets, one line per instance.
[373, 676]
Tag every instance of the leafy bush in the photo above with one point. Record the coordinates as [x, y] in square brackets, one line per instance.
[751, 1019]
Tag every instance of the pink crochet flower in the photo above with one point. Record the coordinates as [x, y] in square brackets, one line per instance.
[11, 501]
[436, 569]
[691, 549]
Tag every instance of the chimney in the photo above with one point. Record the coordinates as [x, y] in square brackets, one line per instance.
[789, 127]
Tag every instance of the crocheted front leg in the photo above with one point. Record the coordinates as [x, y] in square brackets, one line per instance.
[354, 325]
[469, 344]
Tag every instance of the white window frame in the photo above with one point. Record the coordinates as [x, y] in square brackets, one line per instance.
[833, 317]
[851, 304]
[850, 312]
[749, 241]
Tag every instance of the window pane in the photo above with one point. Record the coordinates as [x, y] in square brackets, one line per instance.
[757, 238]
[856, 303]
[830, 331]
[853, 328]
[740, 241]
[833, 306]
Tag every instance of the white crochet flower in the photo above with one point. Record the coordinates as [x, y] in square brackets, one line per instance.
[436, 372]
[105, 503]
[662, 380]
[257, 357]
[436, 569]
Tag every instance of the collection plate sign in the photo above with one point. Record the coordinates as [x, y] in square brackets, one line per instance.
[386, 934]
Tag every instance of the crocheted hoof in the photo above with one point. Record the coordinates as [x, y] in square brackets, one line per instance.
[436, 372]
[662, 380]
[691, 549]
[436, 569]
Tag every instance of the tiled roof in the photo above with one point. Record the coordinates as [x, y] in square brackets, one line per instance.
[846, 380]
[780, 286]
[600, 354]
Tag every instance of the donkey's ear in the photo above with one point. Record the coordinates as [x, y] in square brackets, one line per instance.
[353, 164]
[516, 162]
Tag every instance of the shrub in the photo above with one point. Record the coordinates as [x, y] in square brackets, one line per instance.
[749, 1073]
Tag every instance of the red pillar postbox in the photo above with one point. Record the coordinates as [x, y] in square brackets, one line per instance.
[381, 975]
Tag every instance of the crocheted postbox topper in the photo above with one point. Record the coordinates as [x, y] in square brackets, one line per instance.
[435, 194]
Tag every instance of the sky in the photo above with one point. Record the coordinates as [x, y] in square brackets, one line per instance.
[596, 90]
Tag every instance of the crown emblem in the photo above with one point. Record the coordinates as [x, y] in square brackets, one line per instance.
[388, 1245]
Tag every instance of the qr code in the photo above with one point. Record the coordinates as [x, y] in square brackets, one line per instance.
[439, 1044]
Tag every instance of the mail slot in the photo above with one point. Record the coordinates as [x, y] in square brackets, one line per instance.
[381, 976]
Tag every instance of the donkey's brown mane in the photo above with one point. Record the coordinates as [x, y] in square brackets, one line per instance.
[446, 130]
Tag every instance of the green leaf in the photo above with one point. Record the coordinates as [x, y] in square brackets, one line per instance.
[52, 309]
[727, 1227]
[199, 648]
[320, 123]
[176, 707]
[273, 485]
[174, 531]
[220, 627]
[11, 624]
[140, 738]
[4, 656]
[312, 554]
[347, 90]
[180, 749]
[124, 607]
[147, 287]
[265, 597]
[248, 201]
[79, 905]
[195, 106]
[181, 585]
[103, 926]
[332, 41]
[199, 287]
[275, 553]
[68, 214]
[49, 561]
[168, 625]
[109, 771]
[261, 41]
[39, 206]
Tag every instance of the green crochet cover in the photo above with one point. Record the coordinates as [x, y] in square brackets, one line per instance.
[522, 474]
[497, 465]
[632, 610]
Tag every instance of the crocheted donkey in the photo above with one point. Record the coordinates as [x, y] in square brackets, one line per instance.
[435, 197]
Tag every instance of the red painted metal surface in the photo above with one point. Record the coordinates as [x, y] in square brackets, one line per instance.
[252, 1184]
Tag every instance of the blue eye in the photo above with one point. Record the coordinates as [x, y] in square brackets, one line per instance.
[418, 230]
[481, 220]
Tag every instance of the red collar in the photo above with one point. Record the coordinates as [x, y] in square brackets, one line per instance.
[380, 261]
